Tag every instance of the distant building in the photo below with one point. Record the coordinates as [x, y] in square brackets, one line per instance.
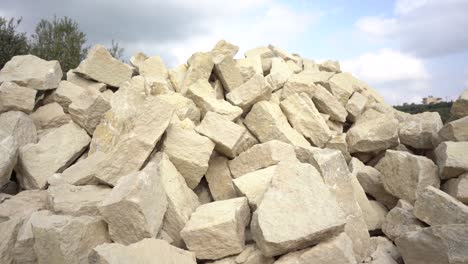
[431, 100]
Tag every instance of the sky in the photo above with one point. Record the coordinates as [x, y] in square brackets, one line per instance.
[405, 49]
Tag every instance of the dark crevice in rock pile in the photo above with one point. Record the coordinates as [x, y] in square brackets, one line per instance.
[270, 158]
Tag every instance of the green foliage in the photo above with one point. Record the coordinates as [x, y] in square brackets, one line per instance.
[59, 39]
[12, 43]
[116, 51]
[442, 108]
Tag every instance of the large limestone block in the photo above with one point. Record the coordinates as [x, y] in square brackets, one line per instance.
[342, 86]
[280, 224]
[355, 106]
[81, 173]
[254, 184]
[452, 159]
[219, 178]
[265, 53]
[148, 250]
[136, 206]
[338, 249]
[217, 229]
[9, 230]
[153, 68]
[32, 72]
[18, 125]
[203, 95]
[16, 98]
[328, 104]
[458, 188]
[338, 142]
[383, 251]
[49, 116]
[455, 131]
[261, 156]
[182, 201]
[137, 59]
[374, 131]
[8, 158]
[404, 175]
[177, 76]
[65, 94]
[279, 52]
[460, 106]
[305, 118]
[77, 200]
[279, 73]
[200, 68]
[184, 107]
[67, 239]
[225, 134]
[100, 66]
[249, 66]
[23, 204]
[53, 153]
[303, 82]
[345, 187]
[140, 137]
[227, 72]
[436, 207]
[203, 192]
[400, 220]
[225, 48]
[254, 90]
[88, 109]
[376, 217]
[23, 250]
[370, 180]
[420, 130]
[189, 152]
[267, 122]
[85, 83]
[250, 255]
[444, 244]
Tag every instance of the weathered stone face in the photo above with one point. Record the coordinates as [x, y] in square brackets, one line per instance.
[16, 98]
[452, 159]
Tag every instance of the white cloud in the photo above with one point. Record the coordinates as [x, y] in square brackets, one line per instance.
[427, 28]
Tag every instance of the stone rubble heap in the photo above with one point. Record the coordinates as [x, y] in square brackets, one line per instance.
[270, 158]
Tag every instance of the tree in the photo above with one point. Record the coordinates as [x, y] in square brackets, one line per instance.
[116, 51]
[12, 43]
[59, 39]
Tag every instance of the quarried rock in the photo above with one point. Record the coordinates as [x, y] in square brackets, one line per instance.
[50, 116]
[404, 175]
[355, 106]
[85, 83]
[458, 188]
[227, 72]
[16, 98]
[88, 109]
[8, 158]
[219, 178]
[328, 104]
[455, 131]
[452, 159]
[254, 184]
[420, 130]
[23, 204]
[18, 125]
[32, 72]
[200, 68]
[217, 229]
[77, 200]
[400, 220]
[460, 106]
[252, 91]
[9, 230]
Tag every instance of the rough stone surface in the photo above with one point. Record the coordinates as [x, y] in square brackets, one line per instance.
[100, 66]
[153, 68]
[8, 158]
[355, 106]
[401, 220]
[265, 54]
[254, 90]
[305, 118]
[219, 178]
[279, 73]
[53, 153]
[189, 152]
[65, 94]
[383, 252]
[23, 204]
[18, 125]
[328, 104]
[225, 134]
[200, 68]
[184, 107]
[261, 156]
[49, 116]
[9, 230]
[420, 130]
[300, 83]
[253, 185]
[225, 48]
[77, 200]
[136, 206]
[436, 207]
[374, 131]
[444, 244]
[16, 98]
[458, 188]
[85, 83]
[336, 175]
[81, 173]
[88, 109]
[338, 142]
[267, 122]
[182, 201]
[67, 239]
[227, 72]
[455, 131]
[338, 249]
[148, 250]
[32, 72]
[281, 225]
[217, 229]
[250, 255]
[460, 106]
[452, 159]
[404, 175]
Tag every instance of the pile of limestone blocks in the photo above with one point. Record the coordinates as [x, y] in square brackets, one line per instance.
[269, 158]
